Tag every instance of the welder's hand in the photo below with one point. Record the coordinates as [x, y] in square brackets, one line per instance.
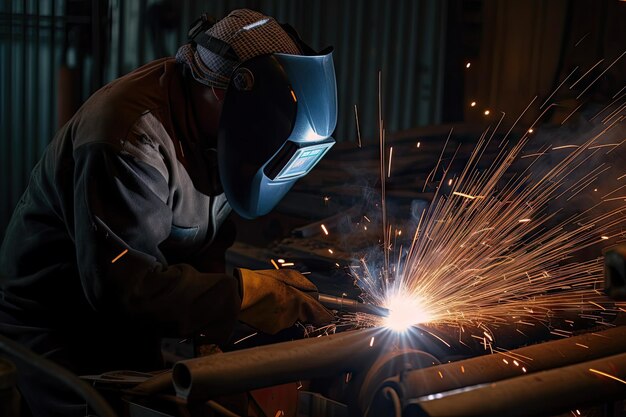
[275, 299]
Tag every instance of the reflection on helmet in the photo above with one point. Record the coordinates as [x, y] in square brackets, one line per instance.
[278, 115]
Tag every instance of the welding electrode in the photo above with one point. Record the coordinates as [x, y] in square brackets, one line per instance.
[349, 305]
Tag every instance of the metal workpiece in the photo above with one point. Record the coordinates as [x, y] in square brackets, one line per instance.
[485, 372]
[391, 363]
[540, 394]
[350, 305]
[276, 364]
[499, 366]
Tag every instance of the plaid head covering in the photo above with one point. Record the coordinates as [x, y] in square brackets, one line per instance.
[248, 33]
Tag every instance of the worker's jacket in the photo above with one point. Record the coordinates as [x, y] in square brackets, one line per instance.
[112, 244]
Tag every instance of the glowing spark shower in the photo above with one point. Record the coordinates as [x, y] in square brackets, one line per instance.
[405, 312]
[489, 250]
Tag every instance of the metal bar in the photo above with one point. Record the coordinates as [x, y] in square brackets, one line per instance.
[350, 305]
[542, 394]
[499, 366]
[264, 366]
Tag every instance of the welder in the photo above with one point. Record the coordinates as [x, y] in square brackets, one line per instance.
[119, 239]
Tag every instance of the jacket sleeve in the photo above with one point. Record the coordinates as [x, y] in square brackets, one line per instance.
[121, 216]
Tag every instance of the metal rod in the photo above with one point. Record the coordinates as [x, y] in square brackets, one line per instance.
[350, 305]
[275, 364]
[544, 393]
[499, 366]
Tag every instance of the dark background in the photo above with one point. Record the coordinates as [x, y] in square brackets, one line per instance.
[55, 53]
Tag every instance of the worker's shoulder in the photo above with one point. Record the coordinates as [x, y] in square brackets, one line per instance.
[121, 108]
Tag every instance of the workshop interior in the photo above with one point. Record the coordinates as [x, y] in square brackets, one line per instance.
[449, 187]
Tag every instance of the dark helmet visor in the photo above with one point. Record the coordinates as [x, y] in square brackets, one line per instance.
[279, 112]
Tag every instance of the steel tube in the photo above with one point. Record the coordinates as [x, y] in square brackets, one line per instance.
[264, 366]
[500, 366]
[543, 393]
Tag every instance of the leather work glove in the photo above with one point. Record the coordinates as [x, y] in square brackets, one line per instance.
[274, 299]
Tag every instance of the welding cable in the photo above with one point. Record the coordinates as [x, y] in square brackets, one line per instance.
[391, 394]
[28, 358]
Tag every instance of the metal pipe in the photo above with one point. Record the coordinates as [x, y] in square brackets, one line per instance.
[544, 393]
[513, 363]
[350, 305]
[275, 364]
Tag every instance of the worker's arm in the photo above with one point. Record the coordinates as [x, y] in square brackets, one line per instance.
[121, 216]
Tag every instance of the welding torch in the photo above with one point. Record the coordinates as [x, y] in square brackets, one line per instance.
[349, 305]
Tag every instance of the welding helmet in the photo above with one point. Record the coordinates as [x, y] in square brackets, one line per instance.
[278, 114]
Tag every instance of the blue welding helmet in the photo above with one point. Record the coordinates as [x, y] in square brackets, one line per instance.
[278, 114]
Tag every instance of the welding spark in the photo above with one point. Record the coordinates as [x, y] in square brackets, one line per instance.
[471, 197]
[473, 104]
[405, 311]
[325, 230]
[246, 337]
[556, 148]
[358, 129]
[601, 74]
[470, 261]
[124, 252]
[595, 371]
